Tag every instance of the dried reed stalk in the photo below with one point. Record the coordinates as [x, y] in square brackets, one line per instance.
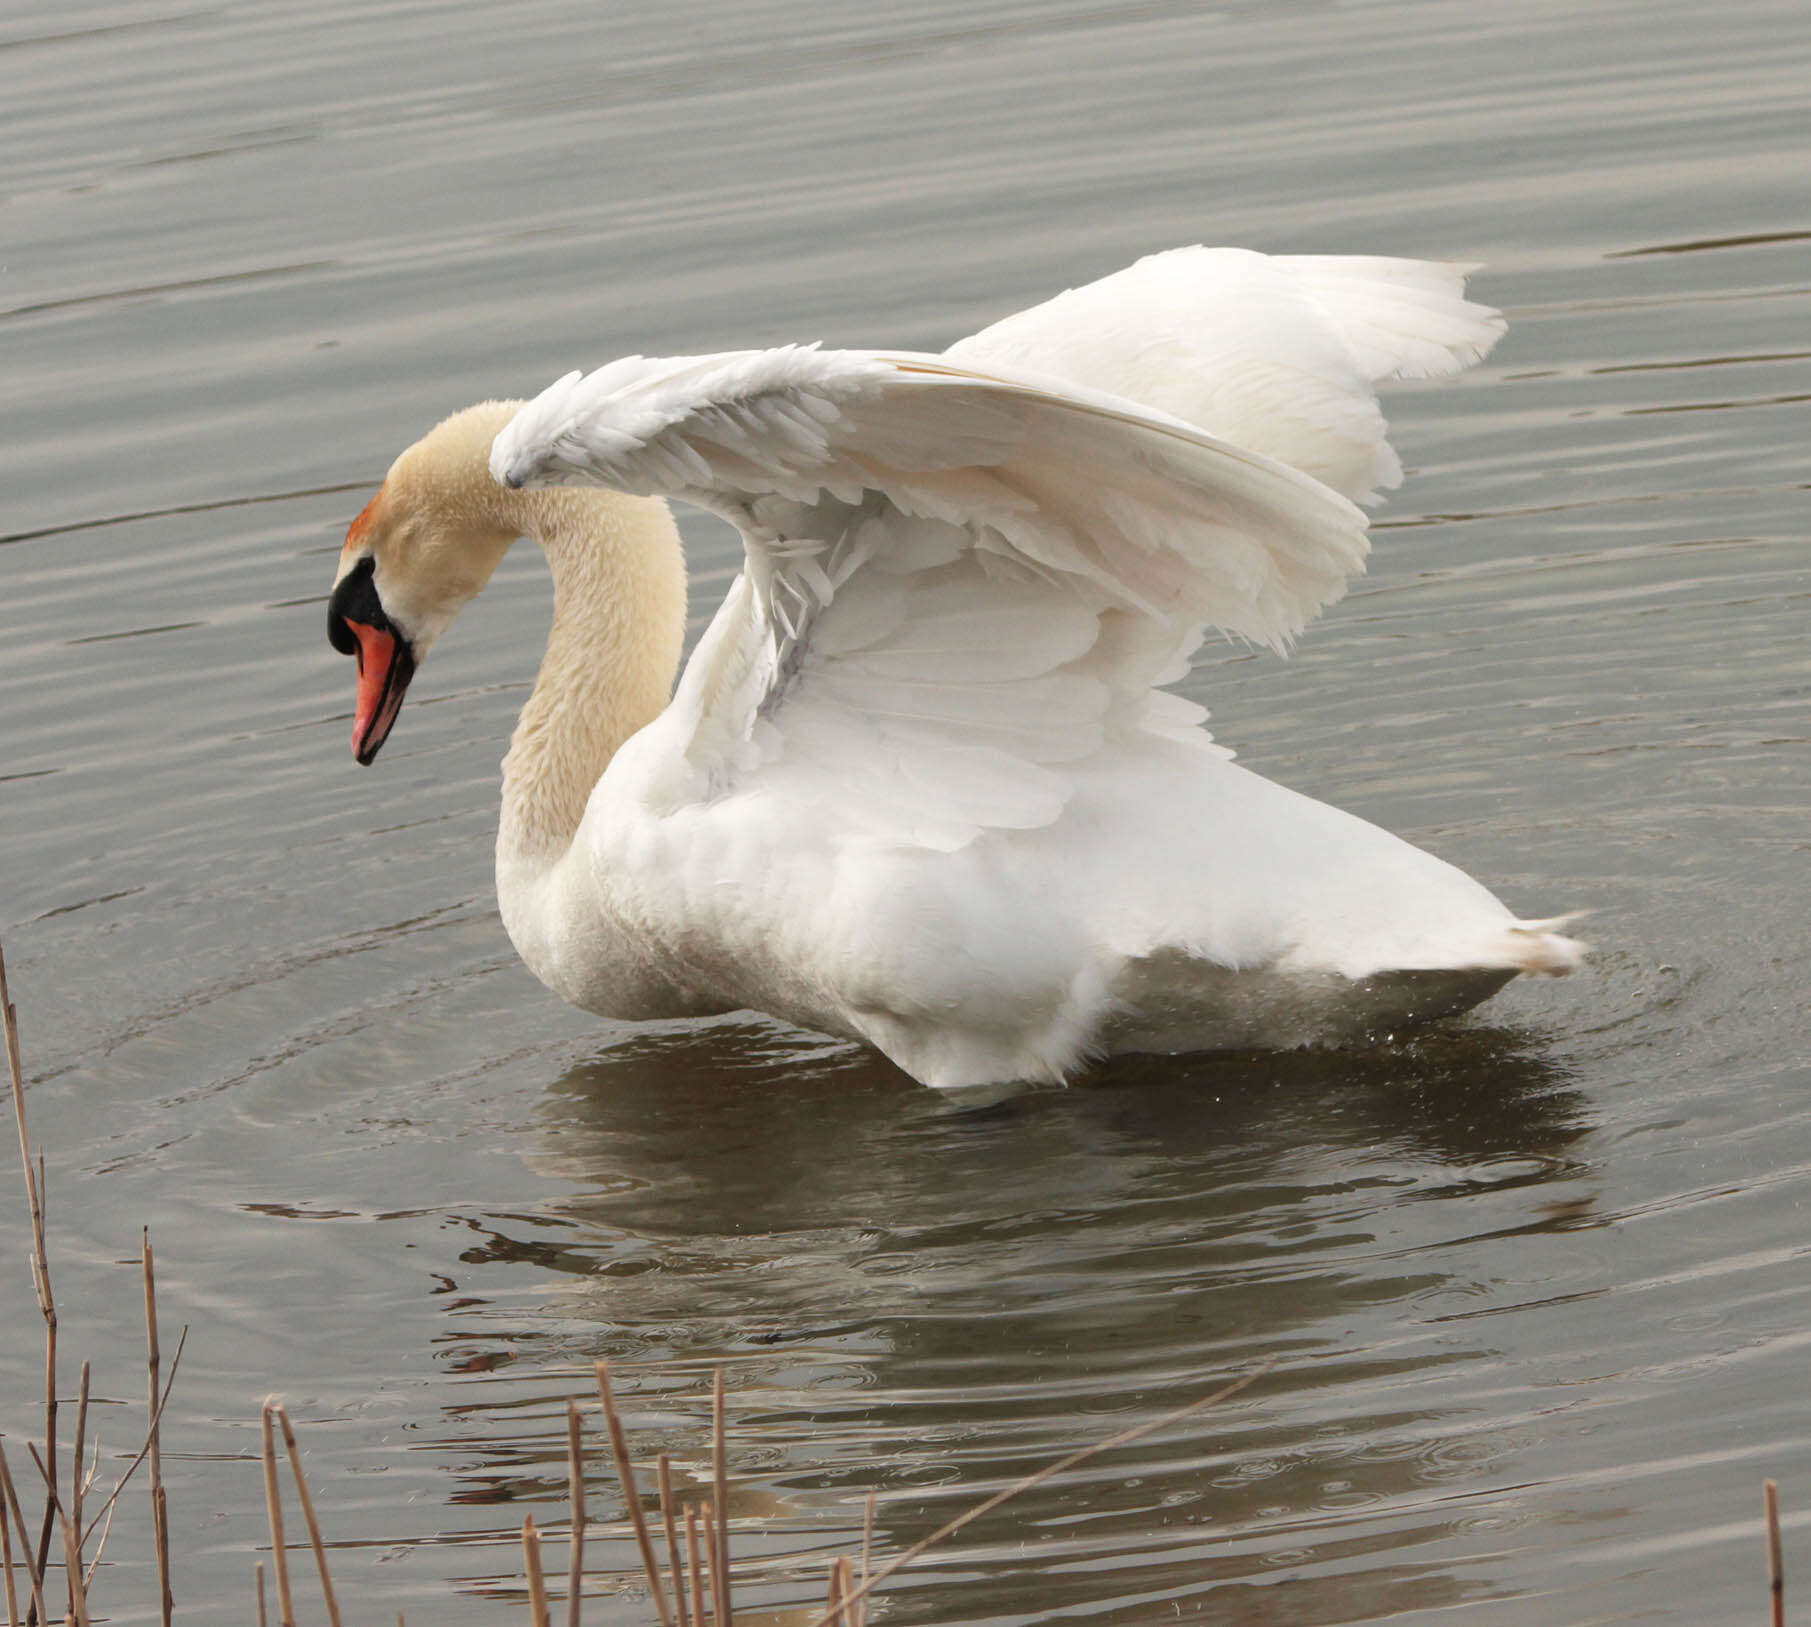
[697, 1570]
[258, 1577]
[82, 1481]
[72, 1555]
[867, 1558]
[841, 1589]
[531, 1562]
[160, 1508]
[33, 1574]
[1776, 1564]
[40, 1265]
[1124, 1438]
[6, 1566]
[307, 1502]
[575, 1492]
[720, 1493]
[625, 1472]
[99, 1548]
[71, 1514]
[106, 1513]
[663, 1467]
[719, 1577]
[273, 1507]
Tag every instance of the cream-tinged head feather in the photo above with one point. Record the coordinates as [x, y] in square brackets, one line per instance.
[438, 526]
[433, 536]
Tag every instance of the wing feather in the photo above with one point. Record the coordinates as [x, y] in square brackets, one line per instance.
[958, 581]
[1279, 353]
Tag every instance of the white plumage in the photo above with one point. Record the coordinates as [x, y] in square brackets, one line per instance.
[956, 581]
[919, 784]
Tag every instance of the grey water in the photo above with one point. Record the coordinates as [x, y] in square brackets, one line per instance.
[1537, 1283]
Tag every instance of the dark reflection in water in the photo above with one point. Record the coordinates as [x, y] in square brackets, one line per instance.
[928, 1300]
[667, 1123]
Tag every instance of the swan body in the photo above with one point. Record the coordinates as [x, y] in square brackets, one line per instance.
[919, 784]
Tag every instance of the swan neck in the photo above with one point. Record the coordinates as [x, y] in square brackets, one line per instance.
[613, 649]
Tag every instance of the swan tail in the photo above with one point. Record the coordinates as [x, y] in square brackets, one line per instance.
[1540, 949]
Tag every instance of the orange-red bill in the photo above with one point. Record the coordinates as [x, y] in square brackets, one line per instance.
[385, 667]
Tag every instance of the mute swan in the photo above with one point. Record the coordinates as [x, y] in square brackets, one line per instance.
[919, 784]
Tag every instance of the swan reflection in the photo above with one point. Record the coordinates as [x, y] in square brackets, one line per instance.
[928, 1300]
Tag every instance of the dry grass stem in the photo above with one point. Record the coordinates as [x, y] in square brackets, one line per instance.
[531, 1562]
[307, 1502]
[9, 1018]
[258, 1576]
[81, 1481]
[696, 1569]
[663, 1468]
[1776, 1563]
[719, 1577]
[40, 1258]
[273, 1505]
[106, 1513]
[867, 1557]
[720, 1494]
[70, 1512]
[6, 1567]
[72, 1556]
[33, 1574]
[625, 1472]
[94, 1564]
[575, 1492]
[160, 1507]
[1124, 1438]
[842, 1589]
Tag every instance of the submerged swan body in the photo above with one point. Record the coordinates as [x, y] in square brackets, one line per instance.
[919, 784]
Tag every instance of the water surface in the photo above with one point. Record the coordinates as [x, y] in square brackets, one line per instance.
[1536, 1283]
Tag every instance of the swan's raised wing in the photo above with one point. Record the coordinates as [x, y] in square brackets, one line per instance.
[960, 584]
[1279, 353]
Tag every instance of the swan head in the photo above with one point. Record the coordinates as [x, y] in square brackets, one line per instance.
[417, 554]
